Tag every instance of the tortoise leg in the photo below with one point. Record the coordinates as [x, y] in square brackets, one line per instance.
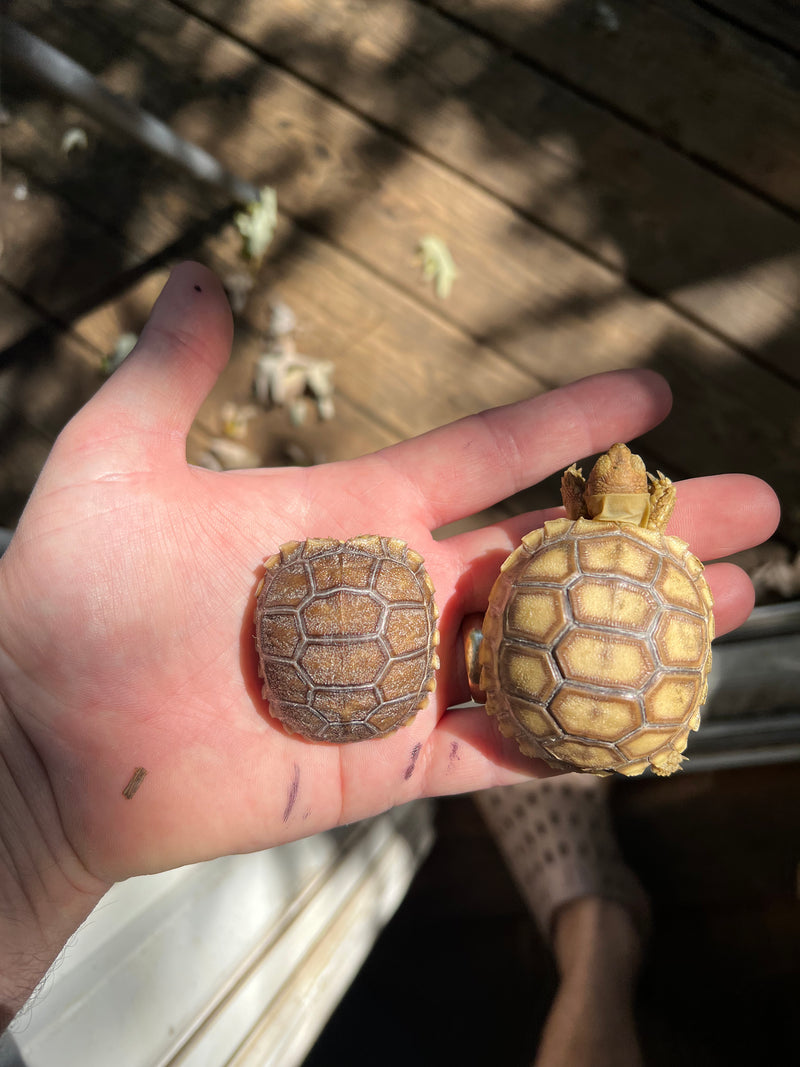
[573, 486]
[662, 501]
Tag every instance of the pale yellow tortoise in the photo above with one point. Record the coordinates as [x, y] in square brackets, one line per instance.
[346, 636]
[597, 641]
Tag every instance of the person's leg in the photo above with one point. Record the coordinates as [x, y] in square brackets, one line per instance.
[557, 839]
[598, 950]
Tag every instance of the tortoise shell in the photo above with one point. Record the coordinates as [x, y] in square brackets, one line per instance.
[596, 646]
[346, 637]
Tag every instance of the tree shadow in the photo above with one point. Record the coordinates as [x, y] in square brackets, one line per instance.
[670, 258]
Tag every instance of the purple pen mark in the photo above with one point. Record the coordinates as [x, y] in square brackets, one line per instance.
[415, 751]
[294, 789]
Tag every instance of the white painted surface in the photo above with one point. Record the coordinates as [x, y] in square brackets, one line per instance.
[240, 960]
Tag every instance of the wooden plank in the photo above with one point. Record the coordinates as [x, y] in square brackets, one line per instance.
[47, 374]
[776, 20]
[153, 223]
[551, 311]
[62, 258]
[369, 330]
[16, 319]
[24, 451]
[44, 375]
[400, 369]
[57, 257]
[270, 436]
[692, 78]
[670, 225]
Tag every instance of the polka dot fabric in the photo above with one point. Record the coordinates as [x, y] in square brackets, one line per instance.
[558, 843]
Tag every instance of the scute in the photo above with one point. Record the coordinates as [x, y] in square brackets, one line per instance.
[344, 611]
[385, 719]
[354, 705]
[406, 630]
[596, 646]
[289, 588]
[602, 603]
[618, 555]
[393, 584]
[346, 637]
[310, 723]
[281, 632]
[403, 676]
[282, 677]
[596, 756]
[346, 664]
[668, 696]
[601, 658]
[538, 614]
[675, 586]
[681, 639]
[554, 564]
[529, 671]
[534, 717]
[646, 741]
[584, 712]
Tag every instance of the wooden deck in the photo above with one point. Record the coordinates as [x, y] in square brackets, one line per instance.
[618, 182]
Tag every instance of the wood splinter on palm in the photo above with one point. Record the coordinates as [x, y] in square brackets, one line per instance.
[596, 645]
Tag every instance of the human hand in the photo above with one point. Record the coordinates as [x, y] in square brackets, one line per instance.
[127, 597]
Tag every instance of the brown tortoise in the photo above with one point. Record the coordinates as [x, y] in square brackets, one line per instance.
[596, 643]
[346, 637]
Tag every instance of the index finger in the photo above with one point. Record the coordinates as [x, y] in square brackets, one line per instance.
[473, 463]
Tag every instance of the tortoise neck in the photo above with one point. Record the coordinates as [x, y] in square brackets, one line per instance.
[619, 507]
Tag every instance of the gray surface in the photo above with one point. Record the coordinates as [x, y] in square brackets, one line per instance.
[9, 1053]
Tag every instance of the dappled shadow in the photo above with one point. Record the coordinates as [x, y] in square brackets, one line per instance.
[591, 225]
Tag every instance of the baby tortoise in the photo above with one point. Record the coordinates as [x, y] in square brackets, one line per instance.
[346, 637]
[597, 641]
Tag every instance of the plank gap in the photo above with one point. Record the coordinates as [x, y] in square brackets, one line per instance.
[599, 100]
[749, 21]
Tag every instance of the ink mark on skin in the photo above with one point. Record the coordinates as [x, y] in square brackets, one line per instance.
[454, 751]
[136, 780]
[294, 789]
[415, 751]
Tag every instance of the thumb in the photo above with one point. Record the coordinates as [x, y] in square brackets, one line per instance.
[143, 413]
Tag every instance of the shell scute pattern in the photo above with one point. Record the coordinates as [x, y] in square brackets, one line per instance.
[597, 646]
[346, 637]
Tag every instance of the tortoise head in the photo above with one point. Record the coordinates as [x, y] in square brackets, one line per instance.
[617, 489]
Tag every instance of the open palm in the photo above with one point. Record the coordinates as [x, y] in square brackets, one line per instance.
[127, 596]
